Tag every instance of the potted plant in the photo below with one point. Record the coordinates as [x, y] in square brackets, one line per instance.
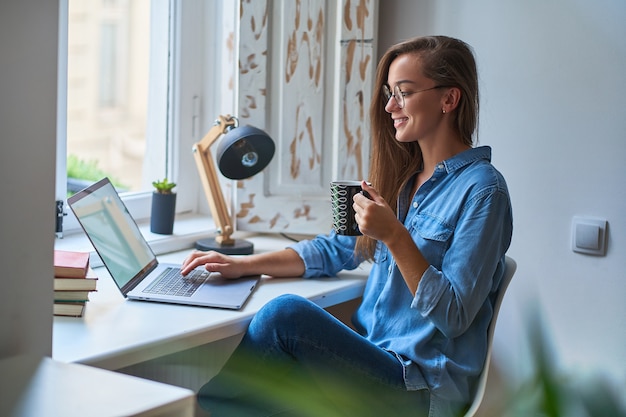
[163, 207]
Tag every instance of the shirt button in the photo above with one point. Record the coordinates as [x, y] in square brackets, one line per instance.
[415, 204]
[440, 166]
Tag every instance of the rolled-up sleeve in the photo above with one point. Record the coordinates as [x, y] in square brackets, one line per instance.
[326, 255]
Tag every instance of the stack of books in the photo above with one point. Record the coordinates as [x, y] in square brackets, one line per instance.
[73, 281]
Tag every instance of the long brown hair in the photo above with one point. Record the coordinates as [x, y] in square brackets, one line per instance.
[447, 61]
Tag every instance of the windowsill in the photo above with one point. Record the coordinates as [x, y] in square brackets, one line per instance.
[188, 228]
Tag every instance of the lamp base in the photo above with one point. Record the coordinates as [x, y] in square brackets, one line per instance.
[240, 247]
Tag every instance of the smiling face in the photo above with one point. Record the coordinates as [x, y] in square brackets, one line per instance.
[421, 117]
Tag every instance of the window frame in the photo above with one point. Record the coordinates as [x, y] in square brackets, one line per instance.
[177, 112]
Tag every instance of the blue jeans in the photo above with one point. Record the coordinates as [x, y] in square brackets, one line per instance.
[296, 359]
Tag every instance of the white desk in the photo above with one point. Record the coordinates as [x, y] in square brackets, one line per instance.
[116, 333]
[32, 386]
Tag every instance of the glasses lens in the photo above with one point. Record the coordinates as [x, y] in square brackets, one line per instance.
[386, 93]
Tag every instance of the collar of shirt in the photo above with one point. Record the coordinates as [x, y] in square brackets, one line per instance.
[448, 166]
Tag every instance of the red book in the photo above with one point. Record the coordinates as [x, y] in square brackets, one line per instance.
[70, 264]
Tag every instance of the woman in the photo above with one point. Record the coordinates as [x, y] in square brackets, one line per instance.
[437, 227]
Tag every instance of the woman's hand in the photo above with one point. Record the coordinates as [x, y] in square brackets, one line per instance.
[378, 221]
[228, 266]
[281, 263]
[374, 216]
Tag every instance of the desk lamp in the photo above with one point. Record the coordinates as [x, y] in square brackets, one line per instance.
[242, 152]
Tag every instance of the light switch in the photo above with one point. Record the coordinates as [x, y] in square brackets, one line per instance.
[589, 235]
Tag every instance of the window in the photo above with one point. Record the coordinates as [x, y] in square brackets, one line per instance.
[107, 92]
[211, 58]
[132, 78]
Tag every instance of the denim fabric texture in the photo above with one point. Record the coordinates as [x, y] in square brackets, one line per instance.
[461, 220]
[296, 359]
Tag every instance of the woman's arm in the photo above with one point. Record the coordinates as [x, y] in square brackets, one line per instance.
[282, 263]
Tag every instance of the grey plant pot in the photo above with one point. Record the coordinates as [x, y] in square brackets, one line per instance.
[163, 213]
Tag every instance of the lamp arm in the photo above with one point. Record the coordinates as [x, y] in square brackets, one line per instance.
[210, 182]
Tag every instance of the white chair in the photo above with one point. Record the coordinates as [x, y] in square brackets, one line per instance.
[511, 266]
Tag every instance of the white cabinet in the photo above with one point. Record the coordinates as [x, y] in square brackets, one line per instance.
[32, 386]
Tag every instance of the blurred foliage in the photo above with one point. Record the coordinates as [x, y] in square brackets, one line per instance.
[554, 393]
[319, 392]
[88, 172]
[282, 390]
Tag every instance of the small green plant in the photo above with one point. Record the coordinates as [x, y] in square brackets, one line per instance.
[164, 187]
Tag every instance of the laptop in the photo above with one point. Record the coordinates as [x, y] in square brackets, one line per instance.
[134, 267]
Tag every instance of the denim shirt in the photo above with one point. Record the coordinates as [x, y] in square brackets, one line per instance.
[461, 221]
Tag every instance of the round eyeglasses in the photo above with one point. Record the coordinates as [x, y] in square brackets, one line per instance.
[399, 95]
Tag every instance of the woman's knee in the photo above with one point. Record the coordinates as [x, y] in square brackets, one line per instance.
[283, 309]
[281, 317]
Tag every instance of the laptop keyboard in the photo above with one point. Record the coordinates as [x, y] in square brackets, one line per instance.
[171, 282]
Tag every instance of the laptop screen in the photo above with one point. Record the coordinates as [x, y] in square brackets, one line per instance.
[113, 233]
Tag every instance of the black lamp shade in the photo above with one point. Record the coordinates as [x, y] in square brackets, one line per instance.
[243, 152]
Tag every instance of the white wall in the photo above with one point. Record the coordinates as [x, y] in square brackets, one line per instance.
[28, 71]
[553, 88]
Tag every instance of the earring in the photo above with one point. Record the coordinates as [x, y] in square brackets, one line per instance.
[444, 111]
